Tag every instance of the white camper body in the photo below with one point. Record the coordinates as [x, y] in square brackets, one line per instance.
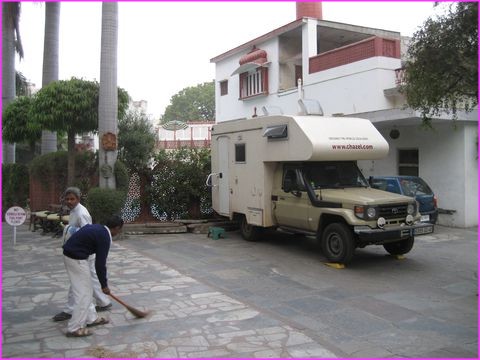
[246, 153]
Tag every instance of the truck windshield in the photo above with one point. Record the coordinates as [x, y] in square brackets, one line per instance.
[335, 174]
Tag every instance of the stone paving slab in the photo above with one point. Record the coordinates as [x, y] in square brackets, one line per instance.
[376, 307]
[188, 319]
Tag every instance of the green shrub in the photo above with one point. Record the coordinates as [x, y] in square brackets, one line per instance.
[178, 187]
[103, 203]
[15, 186]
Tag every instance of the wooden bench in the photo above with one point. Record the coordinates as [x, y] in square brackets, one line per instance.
[51, 220]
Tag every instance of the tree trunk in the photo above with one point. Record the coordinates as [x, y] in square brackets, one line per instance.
[108, 97]
[50, 63]
[71, 158]
[8, 72]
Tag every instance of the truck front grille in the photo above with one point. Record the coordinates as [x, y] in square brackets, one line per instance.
[393, 211]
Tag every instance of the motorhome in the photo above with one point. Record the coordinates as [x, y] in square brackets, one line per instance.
[299, 174]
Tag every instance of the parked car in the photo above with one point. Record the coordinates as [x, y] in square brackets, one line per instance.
[412, 186]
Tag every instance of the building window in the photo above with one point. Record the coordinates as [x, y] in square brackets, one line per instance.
[254, 83]
[408, 162]
[298, 74]
[240, 153]
[223, 87]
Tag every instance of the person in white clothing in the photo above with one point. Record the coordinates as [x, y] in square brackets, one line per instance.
[79, 217]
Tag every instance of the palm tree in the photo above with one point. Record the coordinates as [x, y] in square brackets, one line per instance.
[50, 63]
[21, 85]
[11, 43]
[108, 96]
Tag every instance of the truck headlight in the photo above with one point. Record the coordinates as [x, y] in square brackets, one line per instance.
[365, 212]
[371, 213]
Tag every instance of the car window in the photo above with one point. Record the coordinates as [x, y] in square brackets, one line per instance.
[380, 184]
[415, 186]
[392, 186]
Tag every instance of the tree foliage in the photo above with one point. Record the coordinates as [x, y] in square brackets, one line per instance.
[13, 9]
[178, 187]
[68, 105]
[442, 73]
[71, 106]
[136, 141]
[196, 103]
[21, 84]
[17, 124]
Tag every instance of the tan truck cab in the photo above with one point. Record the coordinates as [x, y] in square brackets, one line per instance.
[299, 173]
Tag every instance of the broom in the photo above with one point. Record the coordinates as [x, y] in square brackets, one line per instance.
[137, 313]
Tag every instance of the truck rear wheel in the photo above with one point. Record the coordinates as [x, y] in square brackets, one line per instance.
[249, 232]
[400, 247]
[337, 243]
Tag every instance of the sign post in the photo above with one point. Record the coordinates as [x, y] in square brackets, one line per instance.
[15, 216]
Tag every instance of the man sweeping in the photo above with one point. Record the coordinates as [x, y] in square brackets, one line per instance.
[79, 216]
[88, 240]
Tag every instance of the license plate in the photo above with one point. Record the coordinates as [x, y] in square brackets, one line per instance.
[425, 218]
[423, 230]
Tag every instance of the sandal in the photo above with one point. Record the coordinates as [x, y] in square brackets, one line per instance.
[79, 333]
[99, 321]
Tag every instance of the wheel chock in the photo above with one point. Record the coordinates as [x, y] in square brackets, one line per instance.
[399, 257]
[335, 265]
[216, 232]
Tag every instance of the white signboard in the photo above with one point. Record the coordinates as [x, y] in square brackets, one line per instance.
[15, 216]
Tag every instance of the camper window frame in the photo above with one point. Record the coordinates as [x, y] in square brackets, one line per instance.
[273, 129]
[237, 146]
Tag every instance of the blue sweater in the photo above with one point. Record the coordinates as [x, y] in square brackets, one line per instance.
[88, 240]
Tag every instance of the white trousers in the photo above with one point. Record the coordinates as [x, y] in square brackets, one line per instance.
[81, 285]
[100, 298]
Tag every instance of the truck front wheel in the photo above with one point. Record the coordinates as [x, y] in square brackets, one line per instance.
[337, 243]
[249, 232]
[400, 247]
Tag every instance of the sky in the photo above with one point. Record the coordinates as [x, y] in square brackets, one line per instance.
[164, 47]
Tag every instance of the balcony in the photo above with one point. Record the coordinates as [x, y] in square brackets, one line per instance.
[368, 48]
[400, 76]
[178, 144]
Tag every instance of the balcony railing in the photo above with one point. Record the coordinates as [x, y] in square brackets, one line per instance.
[400, 76]
[178, 144]
[371, 47]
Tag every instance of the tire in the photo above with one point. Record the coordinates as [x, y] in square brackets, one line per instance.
[337, 243]
[249, 232]
[400, 247]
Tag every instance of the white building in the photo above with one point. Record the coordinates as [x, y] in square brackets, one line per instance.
[353, 71]
[140, 105]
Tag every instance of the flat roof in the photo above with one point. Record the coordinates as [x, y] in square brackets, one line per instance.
[332, 25]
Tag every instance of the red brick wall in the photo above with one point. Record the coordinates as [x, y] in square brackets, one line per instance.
[41, 195]
[348, 54]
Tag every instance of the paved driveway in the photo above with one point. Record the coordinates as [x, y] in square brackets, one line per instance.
[232, 298]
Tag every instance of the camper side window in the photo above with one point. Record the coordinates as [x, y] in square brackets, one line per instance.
[240, 153]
